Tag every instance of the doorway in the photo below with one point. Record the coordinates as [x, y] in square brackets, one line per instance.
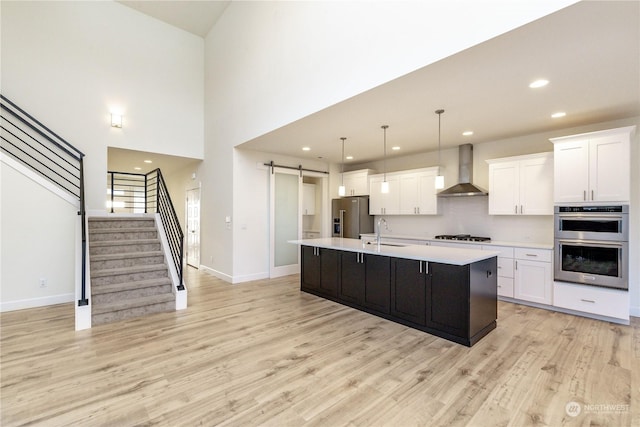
[291, 216]
[193, 227]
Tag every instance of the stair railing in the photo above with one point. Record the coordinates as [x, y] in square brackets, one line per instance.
[148, 193]
[44, 152]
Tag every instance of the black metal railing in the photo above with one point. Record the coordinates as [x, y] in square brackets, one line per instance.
[148, 193]
[31, 143]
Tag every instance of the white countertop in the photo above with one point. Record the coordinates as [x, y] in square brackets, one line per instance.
[531, 245]
[455, 256]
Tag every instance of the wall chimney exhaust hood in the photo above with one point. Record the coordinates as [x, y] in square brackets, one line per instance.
[464, 188]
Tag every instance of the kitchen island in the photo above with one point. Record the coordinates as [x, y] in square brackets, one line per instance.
[448, 292]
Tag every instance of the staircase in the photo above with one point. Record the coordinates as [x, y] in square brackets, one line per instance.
[129, 274]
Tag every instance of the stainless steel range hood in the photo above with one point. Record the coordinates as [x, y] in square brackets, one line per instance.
[464, 188]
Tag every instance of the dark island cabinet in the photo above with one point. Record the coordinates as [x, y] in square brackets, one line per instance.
[448, 298]
[409, 281]
[320, 270]
[462, 300]
[377, 283]
[365, 280]
[352, 278]
[455, 302]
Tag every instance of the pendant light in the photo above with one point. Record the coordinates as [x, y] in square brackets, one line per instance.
[439, 178]
[341, 190]
[385, 185]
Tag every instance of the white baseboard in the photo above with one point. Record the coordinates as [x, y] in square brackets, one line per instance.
[216, 273]
[234, 279]
[250, 277]
[36, 302]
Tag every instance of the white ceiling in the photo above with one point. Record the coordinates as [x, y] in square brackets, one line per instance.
[590, 53]
[196, 17]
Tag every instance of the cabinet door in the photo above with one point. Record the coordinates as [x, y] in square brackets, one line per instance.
[377, 292]
[609, 174]
[570, 171]
[384, 203]
[504, 188]
[310, 268]
[448, 299]
[356, 184]
[352, 277]
[427, 194]
[408, 184]
[536, 187]
[376, 198]
[329, 272]
[308, 199]
[408, 289]
[533, 281]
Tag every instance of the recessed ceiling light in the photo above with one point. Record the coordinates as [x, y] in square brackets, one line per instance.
[558, 114]
[396, 148]
[538, 83]
[306, 149]
[467, 133]
[349, 157]
[137, 169]
[148, 161]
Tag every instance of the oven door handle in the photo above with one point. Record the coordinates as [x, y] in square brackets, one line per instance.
[590, 243]
[590, 217]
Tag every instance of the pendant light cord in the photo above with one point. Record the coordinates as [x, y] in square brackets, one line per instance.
[342, 177]
[384, 159]
[439, 113]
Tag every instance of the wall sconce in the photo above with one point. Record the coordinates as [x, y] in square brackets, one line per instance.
[116, 120]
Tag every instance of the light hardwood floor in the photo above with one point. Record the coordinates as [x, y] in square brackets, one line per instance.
[264, 353]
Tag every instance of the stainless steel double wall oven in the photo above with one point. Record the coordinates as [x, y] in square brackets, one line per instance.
[592, 245]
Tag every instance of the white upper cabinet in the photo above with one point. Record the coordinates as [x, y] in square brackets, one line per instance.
[384, 203]
[411, 192]
[356, 183]
[521, 185]
[308, 199]
[593, 167]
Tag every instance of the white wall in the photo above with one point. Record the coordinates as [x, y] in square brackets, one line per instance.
[37, 241]
[270, 63]
[70, 63]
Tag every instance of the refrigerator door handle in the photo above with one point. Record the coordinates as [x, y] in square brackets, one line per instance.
[342, 222]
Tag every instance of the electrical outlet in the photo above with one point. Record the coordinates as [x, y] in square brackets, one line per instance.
[43, 282]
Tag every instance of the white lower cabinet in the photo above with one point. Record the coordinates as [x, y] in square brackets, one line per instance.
[590, 299]
[533, 275]
[505, 269]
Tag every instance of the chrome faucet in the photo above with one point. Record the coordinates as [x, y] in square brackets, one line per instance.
[380, 221]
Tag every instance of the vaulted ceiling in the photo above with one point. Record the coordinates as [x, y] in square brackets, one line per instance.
[589, 52]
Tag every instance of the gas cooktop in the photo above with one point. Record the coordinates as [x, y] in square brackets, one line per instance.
[463, 237]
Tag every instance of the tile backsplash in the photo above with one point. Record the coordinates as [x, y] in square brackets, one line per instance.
[469, 215]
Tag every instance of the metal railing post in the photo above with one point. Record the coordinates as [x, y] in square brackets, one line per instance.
[112, 190]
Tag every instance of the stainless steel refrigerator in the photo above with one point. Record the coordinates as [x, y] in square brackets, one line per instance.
[351, 217]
